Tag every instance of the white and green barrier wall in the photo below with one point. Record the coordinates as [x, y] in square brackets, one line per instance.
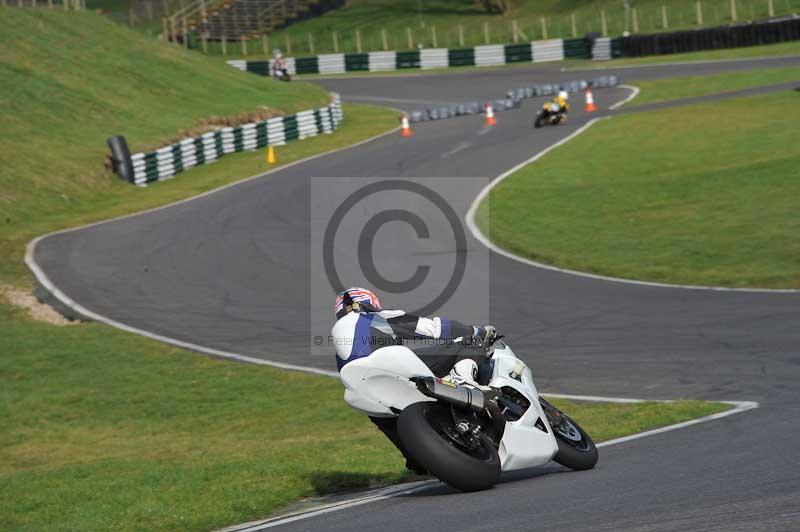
[147, 167]
[425, 58]
[597, 48]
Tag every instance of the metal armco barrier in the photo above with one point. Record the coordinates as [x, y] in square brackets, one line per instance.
[770, 32]
[165, 162]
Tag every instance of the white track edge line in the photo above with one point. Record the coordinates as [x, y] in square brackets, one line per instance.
[634, 93]
[404, 489]
[476, 232]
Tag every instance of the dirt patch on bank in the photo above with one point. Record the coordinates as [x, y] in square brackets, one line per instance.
[37, 311]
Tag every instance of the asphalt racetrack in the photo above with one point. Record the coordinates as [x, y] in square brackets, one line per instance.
[234, 271]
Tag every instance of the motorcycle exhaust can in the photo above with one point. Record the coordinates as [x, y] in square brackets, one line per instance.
[463, 396]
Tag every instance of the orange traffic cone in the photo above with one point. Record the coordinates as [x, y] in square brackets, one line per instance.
[590, 107]
[490, 121]
[404, 126]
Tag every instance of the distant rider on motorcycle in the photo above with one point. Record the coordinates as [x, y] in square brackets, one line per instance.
[562, 103]
[363, 327]
[280, 70]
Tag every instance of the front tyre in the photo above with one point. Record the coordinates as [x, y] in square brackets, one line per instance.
[576, 450]
[430, 437]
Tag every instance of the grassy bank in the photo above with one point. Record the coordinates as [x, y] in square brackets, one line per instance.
[68, 81]
[107, 430]
[677, 88]
[696, 194]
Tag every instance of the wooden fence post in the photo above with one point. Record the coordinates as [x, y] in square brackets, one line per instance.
[514, 30]
[204, 38]
[635, 17]
[770, 8]
[244, 45]
[699, 11]
[288, 43]
[130, 14]
[310, 43]
[65, 2]
[265, 43]
[49, 4]
[148, 7]
[733, 10]
[164, 29]
[664, 20]
[410, 38]
[543, 22]
[185, 34]
[224, 43]
[174, 30]
[434, 40]
[461, 35]
[486, 33]
[384, 40]
[335, 37]
[603, 23]
[358, 41]
[574, 26]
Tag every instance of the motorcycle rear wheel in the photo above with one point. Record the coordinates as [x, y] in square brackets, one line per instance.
[427, 432]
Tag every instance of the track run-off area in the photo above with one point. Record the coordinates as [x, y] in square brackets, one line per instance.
[227, 273]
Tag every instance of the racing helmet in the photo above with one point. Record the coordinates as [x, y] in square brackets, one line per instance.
[356, 299]
[564, 95]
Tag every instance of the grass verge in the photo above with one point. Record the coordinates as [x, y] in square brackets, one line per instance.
[696, 194]
[70, 80]
[106, 430]
[677, 88]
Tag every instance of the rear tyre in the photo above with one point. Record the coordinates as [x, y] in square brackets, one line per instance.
[576, 450]
[430, 438]
[539, 122]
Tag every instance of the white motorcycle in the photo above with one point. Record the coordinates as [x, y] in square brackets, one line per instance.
[466, 434]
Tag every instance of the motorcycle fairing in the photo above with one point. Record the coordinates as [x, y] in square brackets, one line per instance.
[379, 385]
[523, 444]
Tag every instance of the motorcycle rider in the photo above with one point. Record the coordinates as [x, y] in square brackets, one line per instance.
[363, 327]
[279, 68]
[560, 104]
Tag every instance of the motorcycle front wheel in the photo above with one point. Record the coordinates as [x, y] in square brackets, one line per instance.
[430, 437]
[576, 450]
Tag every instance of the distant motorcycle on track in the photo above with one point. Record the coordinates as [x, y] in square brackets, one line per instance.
[467, 433]
[550, 114]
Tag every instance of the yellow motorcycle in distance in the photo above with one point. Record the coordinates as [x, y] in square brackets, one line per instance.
[550, 114]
